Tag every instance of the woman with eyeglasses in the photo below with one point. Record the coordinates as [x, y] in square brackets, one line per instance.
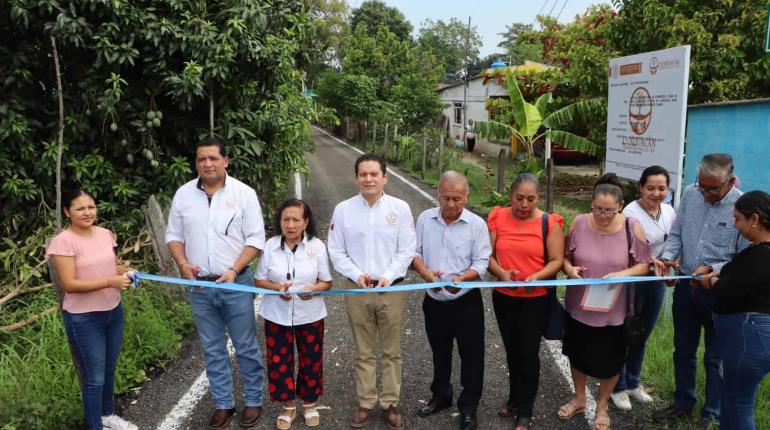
[742, 313]
[656, 219]
[294, 261]
[602, 244]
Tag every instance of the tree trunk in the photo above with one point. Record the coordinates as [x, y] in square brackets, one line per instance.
[60, 144]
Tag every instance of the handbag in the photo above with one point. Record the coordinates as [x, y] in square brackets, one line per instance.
[556, 318]
[633, 324]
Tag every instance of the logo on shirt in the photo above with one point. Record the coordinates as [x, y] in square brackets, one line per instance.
[311, 253]
[390, 218]
[230, 204]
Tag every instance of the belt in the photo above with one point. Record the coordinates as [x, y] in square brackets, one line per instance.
[373, 282]
[210, 278]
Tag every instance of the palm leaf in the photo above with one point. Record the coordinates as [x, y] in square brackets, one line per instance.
[526, 115]
[542, 103]
[585, 109]
[575, 142]
[494, 130]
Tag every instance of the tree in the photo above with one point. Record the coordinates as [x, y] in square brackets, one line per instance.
[447, 41]
[517, 49]
[727, 60]
[331, 28]
[375, 14]
[141, 81]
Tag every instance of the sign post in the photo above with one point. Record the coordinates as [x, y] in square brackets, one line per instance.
[647, 113]
[767, 32]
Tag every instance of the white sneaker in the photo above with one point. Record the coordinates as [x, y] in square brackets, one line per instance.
[621, 400]
[639, 395]
[114, 422]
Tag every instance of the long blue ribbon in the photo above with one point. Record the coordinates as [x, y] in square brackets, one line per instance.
[139, 276]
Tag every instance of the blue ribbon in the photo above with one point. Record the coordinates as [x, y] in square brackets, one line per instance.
[137, 277]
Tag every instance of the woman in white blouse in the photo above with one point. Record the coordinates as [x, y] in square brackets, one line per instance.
[294, 262]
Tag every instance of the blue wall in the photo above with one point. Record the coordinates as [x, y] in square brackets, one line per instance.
[741, 130]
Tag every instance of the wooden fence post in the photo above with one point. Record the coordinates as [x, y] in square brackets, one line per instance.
[385, 141]
[156, 222]
[424, 170]
[374, 135]
[501, 171]
[549, 185]
[440, 164]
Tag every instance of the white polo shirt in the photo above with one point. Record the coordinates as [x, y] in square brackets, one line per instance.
[379, 241]
[308, 264]
[454, 248]
[215, 231]
[656, 230]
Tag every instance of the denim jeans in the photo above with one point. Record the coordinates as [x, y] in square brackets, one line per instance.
[744, 341]
[218, 312]
[95, 338]
[692, 312]
[648, 301]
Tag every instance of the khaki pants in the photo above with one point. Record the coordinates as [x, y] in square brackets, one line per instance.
[371, 314]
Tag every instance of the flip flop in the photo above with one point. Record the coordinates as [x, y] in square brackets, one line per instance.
[283, 422]
[570, 410]
[602, 421]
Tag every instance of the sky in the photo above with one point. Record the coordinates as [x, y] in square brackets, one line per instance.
[488, 16]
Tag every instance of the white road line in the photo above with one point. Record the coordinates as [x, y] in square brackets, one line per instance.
[184, 407]
[297, 186]
[554, 347]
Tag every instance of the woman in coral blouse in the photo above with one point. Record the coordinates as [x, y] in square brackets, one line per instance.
[518, 254]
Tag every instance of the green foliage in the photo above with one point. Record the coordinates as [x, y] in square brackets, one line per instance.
[38, 384]
[375, 14]
[519, 50]
[727, 60]
[447, 42]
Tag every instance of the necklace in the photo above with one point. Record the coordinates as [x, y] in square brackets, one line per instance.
[655, 217]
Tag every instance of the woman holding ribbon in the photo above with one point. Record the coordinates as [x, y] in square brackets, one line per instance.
[92, 278]
[294, 262]
[656, 219]
[521, 252]
[602, 244]
[742, 313]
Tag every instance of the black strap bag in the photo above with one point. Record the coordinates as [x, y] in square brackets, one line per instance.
[556, 319]
[633, 324]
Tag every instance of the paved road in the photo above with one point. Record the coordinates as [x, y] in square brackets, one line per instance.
[332, 180]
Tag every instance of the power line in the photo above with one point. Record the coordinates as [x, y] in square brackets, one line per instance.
[553, 7]
[562, 9]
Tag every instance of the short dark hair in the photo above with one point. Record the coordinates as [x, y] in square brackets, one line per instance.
[212, 141]
[70, 193]
[652, 171]
[610, 185]
[525, 177]
[372, 157]
[755, 202]
[306, 214]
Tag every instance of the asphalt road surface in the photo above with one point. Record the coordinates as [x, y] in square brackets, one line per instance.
[179, 399]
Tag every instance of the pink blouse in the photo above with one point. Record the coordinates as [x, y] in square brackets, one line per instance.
[94, 259]
[601, 254]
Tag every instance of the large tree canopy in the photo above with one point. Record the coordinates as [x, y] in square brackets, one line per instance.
[375, 14]
[447, 41]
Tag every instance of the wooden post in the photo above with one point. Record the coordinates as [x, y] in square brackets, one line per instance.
[501, 171]
[440, 164]
[395, 143]
[156, 222]
[424, 170]
[374, 135]
[549, 185]
[385, 141]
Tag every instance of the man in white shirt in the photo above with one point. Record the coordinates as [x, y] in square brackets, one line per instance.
[372, 242]
[453, 245]
[215, 229]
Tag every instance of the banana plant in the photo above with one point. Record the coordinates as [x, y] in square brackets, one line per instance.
[529, 121]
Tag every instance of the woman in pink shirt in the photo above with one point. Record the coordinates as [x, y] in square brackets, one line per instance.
[602, 244]
[93, 316]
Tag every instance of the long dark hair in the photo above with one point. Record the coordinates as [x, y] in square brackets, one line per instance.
[755, 202]
[70, 193]
[652, 171]
[306, 214]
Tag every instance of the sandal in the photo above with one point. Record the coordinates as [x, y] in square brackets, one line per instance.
[507, 410]
[602, 421]
[569, 410]
[309, 412]
[523, 423]
[283, 422]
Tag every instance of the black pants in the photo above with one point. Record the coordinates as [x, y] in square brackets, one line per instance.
[462, 319]
[470, 143]
[521, 321]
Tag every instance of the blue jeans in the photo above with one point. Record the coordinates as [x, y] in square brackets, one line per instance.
[219, 312]
[648, 301]
[95, 338]
[692, 312]
[744, 341]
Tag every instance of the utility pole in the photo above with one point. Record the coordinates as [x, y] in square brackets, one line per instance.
[465, 78]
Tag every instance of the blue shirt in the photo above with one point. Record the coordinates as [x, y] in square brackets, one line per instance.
[454, 248]
[704, 234]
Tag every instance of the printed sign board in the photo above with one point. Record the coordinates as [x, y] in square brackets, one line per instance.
[646, 113]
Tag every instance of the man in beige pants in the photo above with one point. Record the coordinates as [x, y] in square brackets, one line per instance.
[372, 242]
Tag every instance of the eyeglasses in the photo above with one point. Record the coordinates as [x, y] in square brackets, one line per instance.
[714, 191]
[608, 212]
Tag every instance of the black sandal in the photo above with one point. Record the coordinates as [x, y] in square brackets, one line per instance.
[523, 422]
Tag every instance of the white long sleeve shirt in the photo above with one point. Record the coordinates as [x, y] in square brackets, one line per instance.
[379, 240]
[214, 232]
